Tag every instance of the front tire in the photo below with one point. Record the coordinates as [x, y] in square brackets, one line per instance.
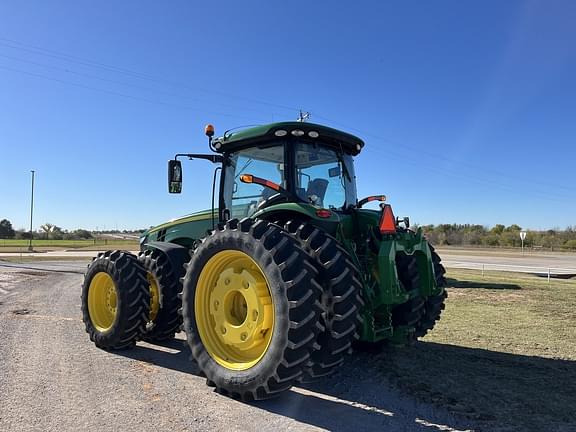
[164, 321]
[250, 309]
[115, 300]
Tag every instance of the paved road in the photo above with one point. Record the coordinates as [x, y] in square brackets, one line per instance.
[52, 378]
[452, 258]
[507, 261]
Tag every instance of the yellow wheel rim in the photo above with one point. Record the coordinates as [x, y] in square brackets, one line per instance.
[234, 310]
[102, 301]
[154, 296]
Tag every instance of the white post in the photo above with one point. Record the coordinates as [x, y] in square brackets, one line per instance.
[548, 276]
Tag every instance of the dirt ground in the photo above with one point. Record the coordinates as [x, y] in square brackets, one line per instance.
[52, 378]
[503, 358]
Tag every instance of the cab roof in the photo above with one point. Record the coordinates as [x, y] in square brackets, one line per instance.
[310, 132]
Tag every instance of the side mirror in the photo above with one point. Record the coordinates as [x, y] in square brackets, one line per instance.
[174, 176]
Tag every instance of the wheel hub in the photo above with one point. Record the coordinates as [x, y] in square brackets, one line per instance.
[102, 301]
[234, 310]
[238, 304]
[154, 296]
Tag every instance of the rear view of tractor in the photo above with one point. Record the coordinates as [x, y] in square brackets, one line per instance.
[276, 281]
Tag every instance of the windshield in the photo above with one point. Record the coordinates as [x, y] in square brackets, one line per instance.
[324, 177]
[242, 199]
[321, 176]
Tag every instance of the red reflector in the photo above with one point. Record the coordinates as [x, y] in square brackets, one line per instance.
[323, 213]
[387, 220]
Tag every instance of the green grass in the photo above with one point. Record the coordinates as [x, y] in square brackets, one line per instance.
[27, 259]
[504, 353]
[43, 245]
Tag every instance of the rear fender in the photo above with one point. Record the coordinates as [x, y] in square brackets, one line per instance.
[302, 211]
[177, 255]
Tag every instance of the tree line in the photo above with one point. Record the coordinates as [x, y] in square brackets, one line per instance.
[499, 236]
[47, 231]
[440, 235]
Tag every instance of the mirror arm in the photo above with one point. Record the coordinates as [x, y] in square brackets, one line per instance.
[214, 158]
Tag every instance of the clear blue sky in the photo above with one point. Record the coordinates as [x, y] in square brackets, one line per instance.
[468, 109]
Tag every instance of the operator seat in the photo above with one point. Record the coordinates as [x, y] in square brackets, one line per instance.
[317, 187]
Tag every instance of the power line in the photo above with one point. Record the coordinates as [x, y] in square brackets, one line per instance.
[99, 78]
[444, 158]
[474, 180]
[86, 62]
[143, 76]
[124, 95]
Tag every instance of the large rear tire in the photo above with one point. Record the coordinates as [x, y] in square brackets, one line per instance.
[164, 320]
[433, 305]
[250, 308]
[115, 300]
[408, 314]
[340, 298]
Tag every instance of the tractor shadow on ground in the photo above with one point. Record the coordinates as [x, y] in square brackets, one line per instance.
[490, 390]
[456, 283]
[353, 400]
[417, 388]
[172, 354]
[362, 397]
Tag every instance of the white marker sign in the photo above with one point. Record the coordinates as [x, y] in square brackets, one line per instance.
[522, 235]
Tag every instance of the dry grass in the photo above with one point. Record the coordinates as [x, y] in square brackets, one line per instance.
[503, 354]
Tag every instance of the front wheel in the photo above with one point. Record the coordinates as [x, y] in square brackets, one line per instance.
[115, 300]
[250, 309]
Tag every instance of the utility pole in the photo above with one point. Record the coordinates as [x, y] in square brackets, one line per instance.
[31, 211]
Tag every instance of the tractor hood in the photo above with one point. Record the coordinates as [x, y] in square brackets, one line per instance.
[193, 225]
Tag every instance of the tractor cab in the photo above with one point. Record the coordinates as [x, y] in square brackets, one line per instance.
[291, 162]
[287, 170]
[308, 165]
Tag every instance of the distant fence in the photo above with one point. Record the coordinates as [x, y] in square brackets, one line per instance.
[549, 272]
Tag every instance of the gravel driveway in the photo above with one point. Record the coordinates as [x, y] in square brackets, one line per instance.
[52, 378]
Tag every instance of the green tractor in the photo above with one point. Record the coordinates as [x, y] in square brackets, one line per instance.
[278, 281]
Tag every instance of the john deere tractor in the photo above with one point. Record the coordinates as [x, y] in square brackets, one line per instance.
[275, 283]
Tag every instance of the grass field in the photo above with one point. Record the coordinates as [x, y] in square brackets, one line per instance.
[503, 354]
[11, 245]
